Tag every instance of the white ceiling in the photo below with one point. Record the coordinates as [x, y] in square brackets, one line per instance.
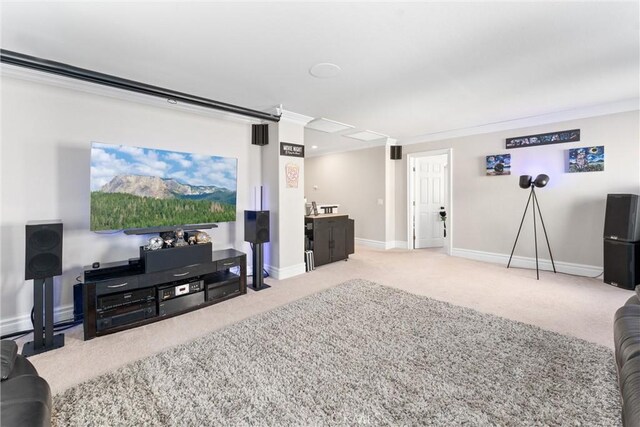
[409, 70]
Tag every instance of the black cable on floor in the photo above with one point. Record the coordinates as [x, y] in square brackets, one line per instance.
[57, 327]
[560, 272]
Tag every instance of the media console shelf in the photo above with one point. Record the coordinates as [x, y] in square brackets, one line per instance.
[121, 296]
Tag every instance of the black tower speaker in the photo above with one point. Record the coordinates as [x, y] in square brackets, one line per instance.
[259, 134]
[621, 263]
[396, 152]
[256, 226]
[43, 249]
[622, 218]
[43, 260]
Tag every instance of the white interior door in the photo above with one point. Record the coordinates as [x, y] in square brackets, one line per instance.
[430, 195]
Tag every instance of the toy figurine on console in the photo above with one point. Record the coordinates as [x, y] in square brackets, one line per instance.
[179, 241]
[155, 243]
[202, 237]
[175, 239]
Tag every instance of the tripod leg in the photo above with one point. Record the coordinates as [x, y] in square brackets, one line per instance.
[520, 228]
[535, 201]
[535, 234]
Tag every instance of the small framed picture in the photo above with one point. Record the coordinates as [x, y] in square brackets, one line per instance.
[499, 164]
[586, 159]
[314, 207]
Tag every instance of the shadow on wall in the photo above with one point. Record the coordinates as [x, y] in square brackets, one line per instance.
[591, 221]
[73, 193]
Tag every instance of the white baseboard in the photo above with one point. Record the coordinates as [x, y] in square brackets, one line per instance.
[23, 323]
[525, 262]
[376, 244]
[286, 272]
[400, 244]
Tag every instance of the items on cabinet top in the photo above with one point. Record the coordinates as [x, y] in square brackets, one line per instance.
[316, 209]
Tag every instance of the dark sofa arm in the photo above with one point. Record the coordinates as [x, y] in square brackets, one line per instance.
[626, 333]
[8, 353]
[25, 398]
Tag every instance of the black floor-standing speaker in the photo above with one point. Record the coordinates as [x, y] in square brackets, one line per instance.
[43, 260]
[622, 218]
[256, 232]
[621, 263]
[622, 240]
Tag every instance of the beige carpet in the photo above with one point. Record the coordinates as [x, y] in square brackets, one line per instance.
[359, 354]
[570, 305]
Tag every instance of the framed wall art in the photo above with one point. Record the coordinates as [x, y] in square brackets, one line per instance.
[499, 164]
[586, 159]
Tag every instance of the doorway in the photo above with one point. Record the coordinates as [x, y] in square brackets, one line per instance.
[429, 207]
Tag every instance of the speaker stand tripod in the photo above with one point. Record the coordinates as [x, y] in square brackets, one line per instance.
[47, 341]
[535, 205]
[258, 265]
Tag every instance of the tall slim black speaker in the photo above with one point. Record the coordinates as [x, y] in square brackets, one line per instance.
[260, 134]
[622, 217]
[621, 263]
[43, 260]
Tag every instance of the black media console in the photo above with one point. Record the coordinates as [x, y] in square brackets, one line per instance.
[119, 296]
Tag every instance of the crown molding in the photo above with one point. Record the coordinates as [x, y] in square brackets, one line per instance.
[626, 105]
[26, 74]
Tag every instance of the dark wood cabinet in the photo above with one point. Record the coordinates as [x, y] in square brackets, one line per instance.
[330, 236]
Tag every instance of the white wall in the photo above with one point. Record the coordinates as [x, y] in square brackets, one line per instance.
[355, 180]
[488, 209]
[284, 254]
[46, 136]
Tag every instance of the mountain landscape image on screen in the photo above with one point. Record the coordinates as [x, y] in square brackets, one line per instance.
[141, 188]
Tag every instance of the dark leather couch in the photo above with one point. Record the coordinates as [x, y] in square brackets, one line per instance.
[25, 398]
[626, 335]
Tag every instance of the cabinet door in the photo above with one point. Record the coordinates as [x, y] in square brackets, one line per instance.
[321, 243]
[339, 240]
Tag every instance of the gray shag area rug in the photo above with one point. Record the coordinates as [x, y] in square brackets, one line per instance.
[360, 353]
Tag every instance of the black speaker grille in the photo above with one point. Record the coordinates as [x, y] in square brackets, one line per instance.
[43, 249]
[396, 152]
[43, 263]
[622, 218]
[621, 264]
[256, 226]
[262, 221]
[263, 235]
[44, 240]
[260, 134]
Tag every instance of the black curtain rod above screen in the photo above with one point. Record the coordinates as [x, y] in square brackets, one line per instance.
[35, 63]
